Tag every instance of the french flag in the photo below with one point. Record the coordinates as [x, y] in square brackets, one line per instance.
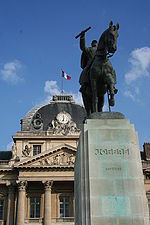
[65, 75]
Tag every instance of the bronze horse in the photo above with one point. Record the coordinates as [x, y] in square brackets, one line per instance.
[102, 77]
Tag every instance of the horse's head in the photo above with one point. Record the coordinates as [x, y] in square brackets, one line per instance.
[108, 40]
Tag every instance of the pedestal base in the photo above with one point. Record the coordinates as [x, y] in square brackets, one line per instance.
[109, 182]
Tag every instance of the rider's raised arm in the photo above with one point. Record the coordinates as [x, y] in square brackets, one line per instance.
[82, 42]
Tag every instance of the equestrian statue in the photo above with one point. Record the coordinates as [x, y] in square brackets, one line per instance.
[98, 75]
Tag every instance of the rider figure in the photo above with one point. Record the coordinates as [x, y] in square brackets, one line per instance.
[88, 54]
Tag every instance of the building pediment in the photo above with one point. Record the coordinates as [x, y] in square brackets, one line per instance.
[60, 156]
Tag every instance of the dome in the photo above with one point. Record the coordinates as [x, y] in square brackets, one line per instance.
[40, 118]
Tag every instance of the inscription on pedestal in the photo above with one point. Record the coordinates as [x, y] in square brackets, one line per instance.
[116, 151]
[113, 168]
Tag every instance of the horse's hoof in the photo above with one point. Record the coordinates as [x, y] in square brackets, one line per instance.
[115, 91]
[111, 102]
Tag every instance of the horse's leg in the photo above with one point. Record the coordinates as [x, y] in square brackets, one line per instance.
[100, 103]
[111, 90]
[112, 100]
[94, 95]
[111, 86]
[86, 104]
[86, 98]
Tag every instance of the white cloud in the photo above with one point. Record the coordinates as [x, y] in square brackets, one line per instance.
[129, 94]
[51, 87]
[77, 98]
[132, 93]
[10, 72]
[140, 68]
[9, 146]
[140, 63]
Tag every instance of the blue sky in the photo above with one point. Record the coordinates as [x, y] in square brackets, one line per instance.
[37, 40]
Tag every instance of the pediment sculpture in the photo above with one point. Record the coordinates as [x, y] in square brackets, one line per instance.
[60, 159]
[63, 125]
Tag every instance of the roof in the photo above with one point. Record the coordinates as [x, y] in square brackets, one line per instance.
[5, 155]
[48, 112]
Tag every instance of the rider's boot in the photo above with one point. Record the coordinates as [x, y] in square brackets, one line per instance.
[112, 100]
[94, 96]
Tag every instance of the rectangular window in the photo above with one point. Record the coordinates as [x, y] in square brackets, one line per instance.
[35, 207]
[36, 149]
[64, 206]
[149, 205]
[1, 208]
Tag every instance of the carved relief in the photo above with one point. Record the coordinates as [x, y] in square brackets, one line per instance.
[26, 151]
[21, 185]
[61, 159]
[48, 185]
[11, 186]
[37, 121]
[14, 158]
[63, 125]
[14, 151]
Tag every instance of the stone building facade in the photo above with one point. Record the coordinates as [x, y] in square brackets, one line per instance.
[145, 156]
[37, 176]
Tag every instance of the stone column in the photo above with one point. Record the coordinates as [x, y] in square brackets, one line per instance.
[10, 208]
[47, 202]
[21, 202]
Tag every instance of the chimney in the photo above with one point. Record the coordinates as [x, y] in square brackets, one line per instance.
[146, 147]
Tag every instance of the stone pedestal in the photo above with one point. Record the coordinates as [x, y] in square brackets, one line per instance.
[109, 183]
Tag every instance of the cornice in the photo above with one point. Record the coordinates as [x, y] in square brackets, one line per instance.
[31, 136]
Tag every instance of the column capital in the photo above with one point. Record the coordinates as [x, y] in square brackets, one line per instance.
[21, 184]
[48, 184]
[11, 189]
[11, 186]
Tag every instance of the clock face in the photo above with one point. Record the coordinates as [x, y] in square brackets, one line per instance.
[62, 118]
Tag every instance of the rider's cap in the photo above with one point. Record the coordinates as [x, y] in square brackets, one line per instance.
[94, 42]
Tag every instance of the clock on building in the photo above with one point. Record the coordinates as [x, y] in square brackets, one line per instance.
[63, 117]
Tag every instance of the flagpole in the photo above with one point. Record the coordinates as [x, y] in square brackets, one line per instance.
[61, 83]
